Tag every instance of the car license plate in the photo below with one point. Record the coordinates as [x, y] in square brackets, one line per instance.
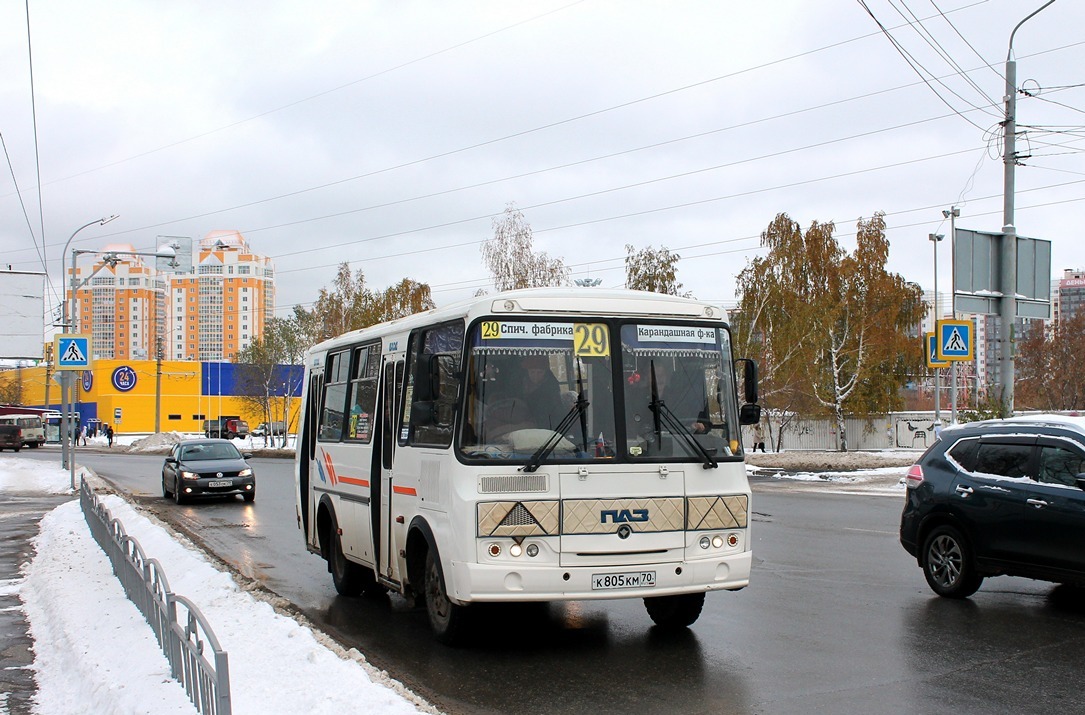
[221, 483]
[634, 579]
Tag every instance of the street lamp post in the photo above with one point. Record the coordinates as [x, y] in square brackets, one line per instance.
[68, 322]
[109, 258]
[935, 238]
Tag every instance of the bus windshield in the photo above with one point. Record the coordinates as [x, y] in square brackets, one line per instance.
[679, 392]
[566, 390]
[539, 387]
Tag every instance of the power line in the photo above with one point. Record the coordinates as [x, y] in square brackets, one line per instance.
[916, 66]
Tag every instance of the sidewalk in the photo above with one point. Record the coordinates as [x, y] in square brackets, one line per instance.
[19, 517]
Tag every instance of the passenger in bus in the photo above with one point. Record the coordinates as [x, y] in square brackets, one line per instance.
[682, 397]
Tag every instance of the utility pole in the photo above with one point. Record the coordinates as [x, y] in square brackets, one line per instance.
[952, 215]
[1008, 304]
[158, 384]
[935, 239]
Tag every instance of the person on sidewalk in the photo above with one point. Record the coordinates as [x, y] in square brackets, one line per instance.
[758, 438]
[109, 434]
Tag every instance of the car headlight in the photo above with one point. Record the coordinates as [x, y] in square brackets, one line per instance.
[245, 473]
[189, 475]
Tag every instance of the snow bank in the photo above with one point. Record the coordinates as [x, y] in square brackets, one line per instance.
[94, 652]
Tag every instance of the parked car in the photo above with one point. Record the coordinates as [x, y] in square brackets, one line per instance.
[207, 467]
[999, 497]
[269, 428]
[11, 437]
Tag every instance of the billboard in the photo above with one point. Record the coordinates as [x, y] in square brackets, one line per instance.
[22, 329]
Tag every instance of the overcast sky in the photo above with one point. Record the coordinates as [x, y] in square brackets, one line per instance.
[389, 134]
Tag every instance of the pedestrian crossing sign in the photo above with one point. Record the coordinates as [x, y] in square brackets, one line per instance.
[72, 352]
[954, 340]
[930, 342]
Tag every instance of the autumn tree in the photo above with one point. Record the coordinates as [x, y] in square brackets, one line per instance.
[652, 269]
[511, 259]
[1050, 374]
[831, 327]
[269, 372]
[11, 387]
[349, 304]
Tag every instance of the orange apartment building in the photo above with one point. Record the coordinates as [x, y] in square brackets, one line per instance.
[208, 314]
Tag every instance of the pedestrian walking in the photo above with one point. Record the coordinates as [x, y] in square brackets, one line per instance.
[109, 434]
[83, 435]
[758, 438]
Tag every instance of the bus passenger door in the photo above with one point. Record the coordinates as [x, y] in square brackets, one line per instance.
[391, 387]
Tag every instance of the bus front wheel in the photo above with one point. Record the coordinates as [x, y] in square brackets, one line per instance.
[445, 618]
[677, 611]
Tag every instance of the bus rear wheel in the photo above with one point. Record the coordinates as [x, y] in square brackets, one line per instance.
[677, 611]
[447, 619]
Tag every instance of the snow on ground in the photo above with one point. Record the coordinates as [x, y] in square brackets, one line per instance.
[94, 652]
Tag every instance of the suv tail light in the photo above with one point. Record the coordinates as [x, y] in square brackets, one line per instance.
[914, 477]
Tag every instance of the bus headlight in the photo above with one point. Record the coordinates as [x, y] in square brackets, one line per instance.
[515, 550]
[532, 550]
[494, 550]
[705, 542]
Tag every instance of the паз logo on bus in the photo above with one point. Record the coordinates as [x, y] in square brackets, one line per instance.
[124, 378]
[620, 516]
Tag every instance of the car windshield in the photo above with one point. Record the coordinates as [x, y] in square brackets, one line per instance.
[200, 452]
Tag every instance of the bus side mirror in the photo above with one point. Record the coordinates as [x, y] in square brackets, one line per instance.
[749, 414]
[749, 380]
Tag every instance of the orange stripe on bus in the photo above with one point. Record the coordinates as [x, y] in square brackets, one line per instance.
[355, 482]
[409, 491]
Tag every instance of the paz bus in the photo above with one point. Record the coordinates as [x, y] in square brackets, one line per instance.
[534, 445]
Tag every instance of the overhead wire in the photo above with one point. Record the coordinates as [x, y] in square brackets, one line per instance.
[917, 67]
[928, 37]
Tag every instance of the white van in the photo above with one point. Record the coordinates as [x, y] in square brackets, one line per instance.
[33, 430]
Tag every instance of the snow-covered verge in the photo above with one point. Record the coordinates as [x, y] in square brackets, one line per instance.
[94, 652]
[867, 472]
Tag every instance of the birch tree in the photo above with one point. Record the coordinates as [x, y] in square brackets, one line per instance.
[512, 261]
[834, 327]
[652, 269]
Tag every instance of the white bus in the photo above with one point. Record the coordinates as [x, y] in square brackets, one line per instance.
[536, 445]
[33, 429]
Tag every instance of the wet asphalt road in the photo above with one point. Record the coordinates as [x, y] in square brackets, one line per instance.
[838, 619]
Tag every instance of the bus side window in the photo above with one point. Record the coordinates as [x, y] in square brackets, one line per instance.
[363, 393]
[433, 385]
[336, 375]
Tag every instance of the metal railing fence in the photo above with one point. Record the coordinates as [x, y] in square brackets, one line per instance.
[195, 657]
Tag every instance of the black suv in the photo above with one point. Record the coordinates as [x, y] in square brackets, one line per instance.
[999, 497]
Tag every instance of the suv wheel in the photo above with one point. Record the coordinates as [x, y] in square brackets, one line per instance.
[949, 565]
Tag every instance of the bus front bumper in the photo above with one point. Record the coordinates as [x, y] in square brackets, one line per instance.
[473, 582]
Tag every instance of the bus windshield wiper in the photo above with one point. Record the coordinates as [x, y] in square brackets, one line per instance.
[671, 422]
[579, 407]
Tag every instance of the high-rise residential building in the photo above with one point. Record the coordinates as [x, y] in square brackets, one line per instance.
[1069, 295]
[222, 307]
[208, 314]
[122, 306]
